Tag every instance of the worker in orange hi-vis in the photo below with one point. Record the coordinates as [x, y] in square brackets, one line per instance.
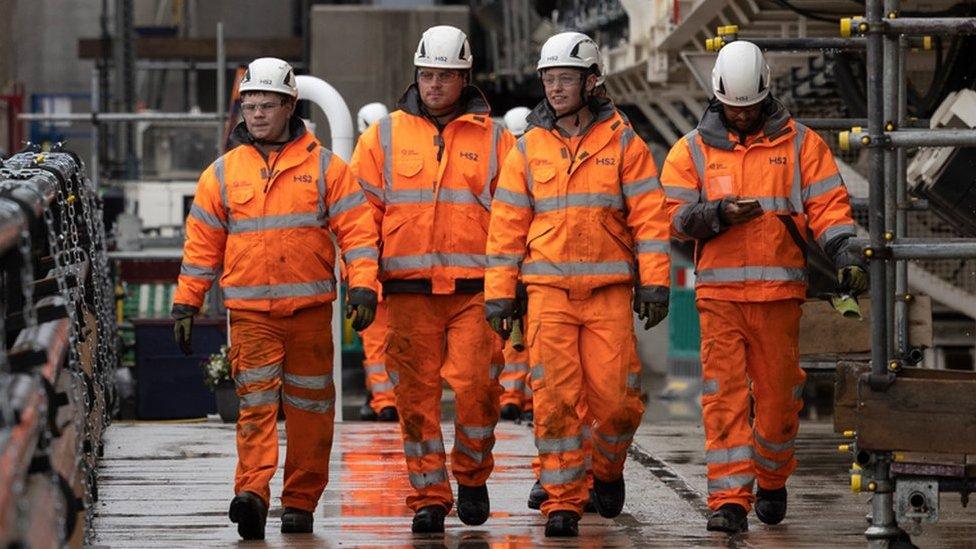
[429, 171]
[380, 400]
[747, 185]
[579, 217]
[262, 216]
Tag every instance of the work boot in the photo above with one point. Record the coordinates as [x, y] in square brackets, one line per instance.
[608, 497]
[528, 416]
[511, 412]
[296, 521]
[729, 518]
[473, 506]
[249, 512]
[589, 507]
[388, 413]
[429, 520]
[562, 524]
[366, 412]
[537, 495]
[771, 505]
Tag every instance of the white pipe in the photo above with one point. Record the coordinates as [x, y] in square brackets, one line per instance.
[319, 91]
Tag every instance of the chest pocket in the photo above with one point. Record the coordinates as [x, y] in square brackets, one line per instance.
[719, 184]
[542, 172]
[409, 166]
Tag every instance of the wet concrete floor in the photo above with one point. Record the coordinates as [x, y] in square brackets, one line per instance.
[168, 485]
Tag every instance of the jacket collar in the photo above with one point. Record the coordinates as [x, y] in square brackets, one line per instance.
[716, 134]
[296, 130]
[543, 116]
[472, 102]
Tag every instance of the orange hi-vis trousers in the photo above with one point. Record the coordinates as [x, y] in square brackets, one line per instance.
[745, 342]
[374, 347]
[285, 358]
[515, 378]
[582, 350]
[434, 338]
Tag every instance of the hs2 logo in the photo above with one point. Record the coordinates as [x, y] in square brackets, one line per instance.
[778, 160]
[470, 156]
[606, 161]
[303, 178]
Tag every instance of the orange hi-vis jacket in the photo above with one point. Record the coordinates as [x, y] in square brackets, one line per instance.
[264, 224]
[792, 173]
[578, 213]
[431, 190]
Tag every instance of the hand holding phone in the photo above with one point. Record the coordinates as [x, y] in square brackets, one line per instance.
[741, 210]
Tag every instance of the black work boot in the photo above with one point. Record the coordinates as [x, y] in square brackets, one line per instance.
[589, 507]
[250, 513]
[429, 520]
[562, 524]
[528, 416]
[729, 518]
[296, 521]
[366, 412]
[537, 495]
[511, 412]
[473, 506]
[608, 497]
[771, 505]
[388, 413]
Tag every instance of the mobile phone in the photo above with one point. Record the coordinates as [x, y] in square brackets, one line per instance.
[747, 203]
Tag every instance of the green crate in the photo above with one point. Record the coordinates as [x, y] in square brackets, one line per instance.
[684, 333]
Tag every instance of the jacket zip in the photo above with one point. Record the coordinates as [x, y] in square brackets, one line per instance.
[281, 152]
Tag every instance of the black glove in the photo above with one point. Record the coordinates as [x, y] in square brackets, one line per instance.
[651, 304]
[500, 314]
[521, 301]
[183, 327]
[361, 303]
[852, 269]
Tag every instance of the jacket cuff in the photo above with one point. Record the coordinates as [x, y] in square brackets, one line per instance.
[182, 310]
[653, 294]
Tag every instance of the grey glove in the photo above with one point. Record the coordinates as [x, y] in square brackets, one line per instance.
[852, 269]
[361, 304]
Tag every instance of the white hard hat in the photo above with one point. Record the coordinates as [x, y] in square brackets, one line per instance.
[269, 74]
[443, 47]
[741, 76]
[571, 49]
[516, 120]
[370, 113]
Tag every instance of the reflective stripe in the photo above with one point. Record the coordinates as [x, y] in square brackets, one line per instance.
[381, 387]
[835, 231]
[821, 187]
[710, 387]
[255, 375]
[394, 377]
[198, 271]
[476, 433]
[495, 370]
[769, 464]
[513, 198]
[617, 439]
[460, 446]
[641, 186]
[774, 204]
[579, 200]
[423, 448]
[537, 372]
[697, 156]
[373, 369]
[610, 456]
[729, 455]
[746, 274]
[796, 192]
[309, 405]
[527, 391]
[516, 367]
[653, 246]
[298, 289]
[496, 135]
[308, 382]
[520, 144]
[386, 142]
[409, 196]
[372, 189]
[427, 261]
[625, 137]
[504, 260]
[682, 193]
[206, 217]
[359, 253]
[347, 203]
[561, 476]
[325, 158]
[797, 391]
[259, 398]
[272, 222]
[578, 268]
[729, 482]
[553, 445]
[586, 433]
[775, 446]
[422, 480]
[219, 174]
[461, 196]
[633, 381]
[513, 384]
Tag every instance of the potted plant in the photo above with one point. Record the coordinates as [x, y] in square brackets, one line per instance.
[216, 374]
